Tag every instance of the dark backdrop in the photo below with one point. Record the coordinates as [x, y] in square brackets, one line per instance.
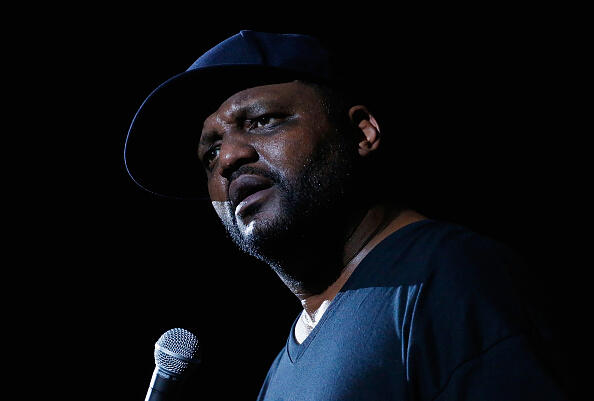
[479, 109]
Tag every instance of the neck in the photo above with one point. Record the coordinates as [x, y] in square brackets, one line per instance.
[380, 221]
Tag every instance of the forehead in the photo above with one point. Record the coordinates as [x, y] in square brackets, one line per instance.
[287, 96]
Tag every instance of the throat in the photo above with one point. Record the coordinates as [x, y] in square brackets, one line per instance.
[307, 322]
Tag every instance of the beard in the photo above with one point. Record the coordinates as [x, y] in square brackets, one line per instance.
[311, 219]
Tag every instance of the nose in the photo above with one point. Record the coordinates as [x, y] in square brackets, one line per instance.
[235, 151]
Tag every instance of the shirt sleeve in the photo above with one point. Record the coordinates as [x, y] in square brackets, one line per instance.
[471, 336]
[506, 371]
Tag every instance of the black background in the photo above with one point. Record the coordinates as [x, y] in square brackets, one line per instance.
[111, 267]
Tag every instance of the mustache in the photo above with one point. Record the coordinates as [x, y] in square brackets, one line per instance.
[271, 175]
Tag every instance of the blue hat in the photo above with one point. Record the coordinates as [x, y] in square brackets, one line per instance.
[161, 147]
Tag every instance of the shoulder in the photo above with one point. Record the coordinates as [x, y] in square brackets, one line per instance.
[436, 250]
[466, 275]
[465, 265]
[470, 317]
[458, 275]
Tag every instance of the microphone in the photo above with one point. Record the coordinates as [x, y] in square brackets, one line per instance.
[176, 355]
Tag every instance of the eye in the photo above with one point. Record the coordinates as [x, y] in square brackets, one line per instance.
[262, 121]
[210, 156]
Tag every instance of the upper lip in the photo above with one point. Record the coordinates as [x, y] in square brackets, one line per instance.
[245, 185]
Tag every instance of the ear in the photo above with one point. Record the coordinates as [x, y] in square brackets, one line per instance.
[360, 116]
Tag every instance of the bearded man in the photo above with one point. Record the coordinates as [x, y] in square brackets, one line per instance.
[396, 306]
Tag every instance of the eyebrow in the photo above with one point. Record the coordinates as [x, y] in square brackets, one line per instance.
[207, 137]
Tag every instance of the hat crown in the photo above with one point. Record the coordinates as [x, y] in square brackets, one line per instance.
[297, 52]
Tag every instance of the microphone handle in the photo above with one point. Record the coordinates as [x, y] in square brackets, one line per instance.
[164, 386]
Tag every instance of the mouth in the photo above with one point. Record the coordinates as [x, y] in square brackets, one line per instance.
[248, 189]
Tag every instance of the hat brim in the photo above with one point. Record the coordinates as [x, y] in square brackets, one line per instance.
[160, 153]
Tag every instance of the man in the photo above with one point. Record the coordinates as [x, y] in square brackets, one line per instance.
[395, 305]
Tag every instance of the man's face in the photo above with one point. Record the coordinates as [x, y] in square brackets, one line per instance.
[275, 164]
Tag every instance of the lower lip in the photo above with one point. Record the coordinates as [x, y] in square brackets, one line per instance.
[251, 200]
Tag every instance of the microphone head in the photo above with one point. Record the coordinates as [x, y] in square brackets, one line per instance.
[176, 351]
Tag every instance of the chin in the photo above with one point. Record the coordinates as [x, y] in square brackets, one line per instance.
[253, 231]
[260, 228]
[262, 221]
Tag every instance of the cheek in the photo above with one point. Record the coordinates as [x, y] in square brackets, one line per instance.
[290, 153]
[216, 189]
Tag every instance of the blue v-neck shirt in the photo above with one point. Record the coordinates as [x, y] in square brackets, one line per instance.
[429, 314]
